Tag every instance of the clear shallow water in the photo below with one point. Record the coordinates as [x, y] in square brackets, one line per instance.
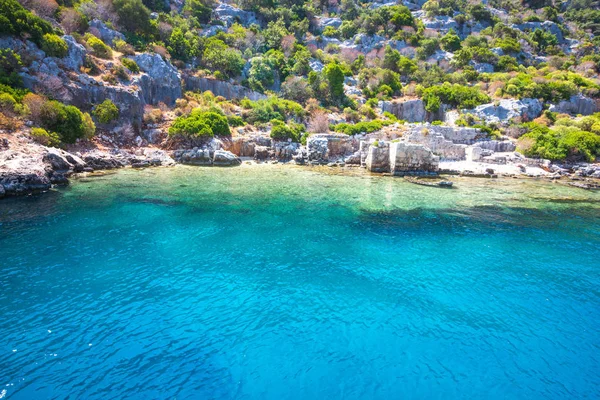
[286, 283]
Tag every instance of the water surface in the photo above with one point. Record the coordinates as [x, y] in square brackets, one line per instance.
[271, 282]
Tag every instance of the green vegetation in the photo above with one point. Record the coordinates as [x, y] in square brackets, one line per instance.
[99, 48]
[70, 123]
[54, 46]
[106, 112]
[200, 124]
[361, 127]
[16, 20]
[10, 64]
[130, 65]
[281, 131]
[453, 94]
[43, 137]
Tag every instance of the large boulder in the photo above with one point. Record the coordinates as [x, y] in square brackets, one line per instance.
[410, 158]
[107, 35]
[230, 14]
[577, 104]
[322, 22]
[505, 110]
[224, 158]
[548, 26]
[161, 81]
[437, 142]
[75, 54]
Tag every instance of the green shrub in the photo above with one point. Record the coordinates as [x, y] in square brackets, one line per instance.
[10, 64]
[7, 102]
[106, 112]
[364, 126]
[45, 138]
[234, 120]
[70, 123]
[453, 94]
[200, 124]
[99, 48]
[54, 46]
[270, 109]
[281, 131]
[130, 65]
[16, 20]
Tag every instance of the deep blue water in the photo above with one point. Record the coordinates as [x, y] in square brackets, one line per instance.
[284, 283]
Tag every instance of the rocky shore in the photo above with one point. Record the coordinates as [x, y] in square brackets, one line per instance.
[415, 150]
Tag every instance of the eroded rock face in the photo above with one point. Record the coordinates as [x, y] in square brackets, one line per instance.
[410, 158]
[505, 110]
[322, 22]
[500, 146]
[221, 88]
[412, 111]
[577, 104]
[224, 158]
[161, 81]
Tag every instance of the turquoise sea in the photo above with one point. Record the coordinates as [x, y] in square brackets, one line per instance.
[280, 282]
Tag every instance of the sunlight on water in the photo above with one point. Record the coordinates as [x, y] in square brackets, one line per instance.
[271, 282]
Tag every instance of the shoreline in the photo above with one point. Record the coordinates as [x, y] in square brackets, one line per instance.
[458, 178]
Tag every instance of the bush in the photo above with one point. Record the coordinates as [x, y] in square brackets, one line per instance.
[45, 138]
[7, 102]
[234, 120]
[130, 65]
[106, 112]
[281, 131]
[70, 123]
[99, 48]
[16, 20]
[200, 124]
[54, 46]
[270, 109]
[10, 63]
[453, 94]
[559, 143]
[221, 58]
[365, 126]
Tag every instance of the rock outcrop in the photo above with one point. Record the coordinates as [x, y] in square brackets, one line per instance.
[161, 82]
[505, 110]
[230, 14]
[107, 35]
[221, 88]
[577, 104]
[378, 157]
[412, 111]
[327, 147]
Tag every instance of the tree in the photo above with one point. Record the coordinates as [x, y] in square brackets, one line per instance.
[133, 15]
[450, 41]
[335, 78]
[274, 33]
[391, 58]
[220, 57]
[179, 47]
[201, 9]
[260, 75]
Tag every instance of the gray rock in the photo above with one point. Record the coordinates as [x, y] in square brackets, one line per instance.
[412, 111]
[220, 88]
[75, 55]
[577, 104]
[161, 81]
[2, 191]
[545, 26]
[224, 158]
[505, 110]
[322, 22]
[230, 14]
[434, 139]
[107, 35]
